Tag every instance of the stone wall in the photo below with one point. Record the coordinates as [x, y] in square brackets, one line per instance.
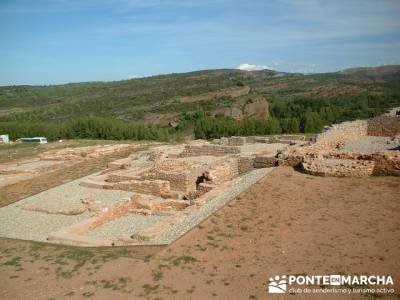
[236, 141]
[339, 168]
[384, 126]
[338, 134]
[208, 150]
[88, 152]
[263, 161]
[182, 175]
[245, 164]
[142, 204]
[387, 163]
[223, 171]
[160, 188]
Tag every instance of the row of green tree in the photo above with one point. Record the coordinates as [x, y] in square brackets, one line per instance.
[86, 128]
[305, 115]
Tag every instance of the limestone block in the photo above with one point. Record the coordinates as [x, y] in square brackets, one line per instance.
[265, 161]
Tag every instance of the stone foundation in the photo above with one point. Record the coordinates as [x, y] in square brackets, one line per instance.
[209, 150]
[319, 158]
[384, 126]
[222, 172]
[339, 168]
[265, 162]
[387, 163]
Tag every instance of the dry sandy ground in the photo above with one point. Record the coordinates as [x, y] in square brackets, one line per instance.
[288, 223]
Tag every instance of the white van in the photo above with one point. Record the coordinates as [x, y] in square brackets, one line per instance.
[38, 139]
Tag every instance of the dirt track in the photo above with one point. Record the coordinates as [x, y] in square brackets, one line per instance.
[289, 223]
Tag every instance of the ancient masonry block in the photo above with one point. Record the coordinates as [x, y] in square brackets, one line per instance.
[387, 163]
[265, 162]
[246, 164]
[160, 188]
[119, 164]
[183, 176]
[223, 172]
[384, 126]
[340, 133]
[261, 139]
[141, 204]
[250, 139]
[209, 150]
[339, 168]
[236, 141]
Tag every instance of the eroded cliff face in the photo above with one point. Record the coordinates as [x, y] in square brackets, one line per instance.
[254, 108]
[257, 108]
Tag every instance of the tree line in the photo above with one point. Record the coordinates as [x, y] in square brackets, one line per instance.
[297, 115]
[86, 128]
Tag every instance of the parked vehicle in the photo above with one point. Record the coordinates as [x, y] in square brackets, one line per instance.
[40, 140]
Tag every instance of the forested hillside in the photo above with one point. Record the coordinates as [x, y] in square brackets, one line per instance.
[207, 104]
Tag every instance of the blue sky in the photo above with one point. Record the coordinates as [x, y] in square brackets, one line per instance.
[59, 41]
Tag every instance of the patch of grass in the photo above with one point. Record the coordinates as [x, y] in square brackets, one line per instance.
[16, 261]
[148, 288]
[107, 284]
[88, 294]
[66, 274]
[185, 259]
[157, 276]
[147, 258]
[200, 248]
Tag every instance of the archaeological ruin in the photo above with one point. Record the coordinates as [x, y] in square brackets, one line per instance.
[156, 195]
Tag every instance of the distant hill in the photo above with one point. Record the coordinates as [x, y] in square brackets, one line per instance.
[164, 99]
[382, 71]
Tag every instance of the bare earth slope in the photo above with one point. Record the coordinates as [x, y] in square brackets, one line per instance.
[288, 223]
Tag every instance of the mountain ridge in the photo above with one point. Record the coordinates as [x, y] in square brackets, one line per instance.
[162, 99]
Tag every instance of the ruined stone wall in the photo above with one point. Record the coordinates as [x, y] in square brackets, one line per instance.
[81, 153]
[338, 134]
[339, 168]
[384, 126]
[208, 150]
[236, 141]
[160, 188]
[223, 171]
[264, 161]
[387, 163]
[245, 164]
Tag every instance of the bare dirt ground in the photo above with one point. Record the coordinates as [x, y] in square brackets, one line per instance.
[288, 223]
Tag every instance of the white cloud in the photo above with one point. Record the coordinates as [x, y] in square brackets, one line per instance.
[250, 67]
